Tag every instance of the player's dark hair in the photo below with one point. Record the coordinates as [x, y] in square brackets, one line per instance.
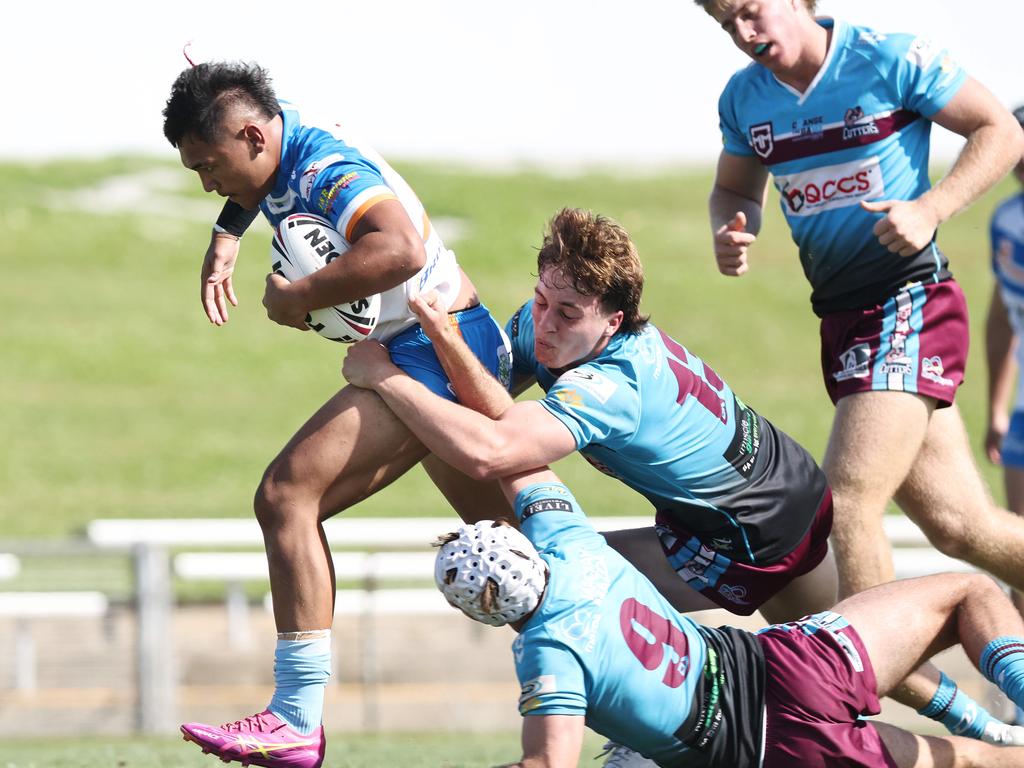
[594, 253]
[203, 95]
[811, 4]
[1019, 114]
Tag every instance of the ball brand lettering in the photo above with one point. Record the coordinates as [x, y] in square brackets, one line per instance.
[318, 242]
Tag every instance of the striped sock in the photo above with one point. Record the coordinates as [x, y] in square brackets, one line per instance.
[301, 670]
[1002, 662]
[961, 714]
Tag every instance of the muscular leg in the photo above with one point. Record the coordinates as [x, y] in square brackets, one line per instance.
[912, 751]
[471, 499]
[349, 449]
[642, 548]
[1013, 478]
[877, 440]
[945, 495]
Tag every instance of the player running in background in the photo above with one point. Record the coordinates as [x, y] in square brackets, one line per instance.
[840, 117]
[262, 154]
[1004, 440]
[598, 645]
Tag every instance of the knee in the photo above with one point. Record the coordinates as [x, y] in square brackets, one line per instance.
[275, 500]
[950, 537]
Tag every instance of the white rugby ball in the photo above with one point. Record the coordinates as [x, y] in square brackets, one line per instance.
[304, 243]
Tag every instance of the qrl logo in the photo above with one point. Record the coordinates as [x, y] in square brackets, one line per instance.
[835, 186]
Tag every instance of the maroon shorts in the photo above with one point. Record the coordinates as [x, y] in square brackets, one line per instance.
[739, 587]
[914, 342]
[818, 682]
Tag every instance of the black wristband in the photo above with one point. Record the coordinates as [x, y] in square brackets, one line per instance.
[234, 219]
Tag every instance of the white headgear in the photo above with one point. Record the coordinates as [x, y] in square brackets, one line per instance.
[490, 553]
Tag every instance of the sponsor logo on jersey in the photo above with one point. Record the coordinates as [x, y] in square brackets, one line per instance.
[762, 139]
[856, 363]
[808, 193]
[546, 505]
[532, 690]
[932, 368]
[808, 128]
[922, 52]
[308, 178]
[570, 397]
[855, 126]
[597, 384]
[330, 194]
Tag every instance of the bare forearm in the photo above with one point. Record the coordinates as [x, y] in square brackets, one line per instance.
[474, 385]
[991, 151]
[723, 204]
[458, 436]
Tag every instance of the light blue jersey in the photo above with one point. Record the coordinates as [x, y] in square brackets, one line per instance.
[603, 643]
[326, 171]
[859, 133]
[1007, 233]
[654, 415]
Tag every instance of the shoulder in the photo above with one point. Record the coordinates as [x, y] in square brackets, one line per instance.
[742, 80]
[1009, 215]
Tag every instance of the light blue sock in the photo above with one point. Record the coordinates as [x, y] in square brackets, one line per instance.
[1002, 662]
[961, 714]
[301, 670]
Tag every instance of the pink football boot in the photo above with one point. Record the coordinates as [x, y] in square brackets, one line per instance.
[262, 739]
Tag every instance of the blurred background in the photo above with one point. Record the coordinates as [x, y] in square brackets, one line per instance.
[135, 432]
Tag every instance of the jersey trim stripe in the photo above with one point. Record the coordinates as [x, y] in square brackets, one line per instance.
[362, 209]
[793, 146]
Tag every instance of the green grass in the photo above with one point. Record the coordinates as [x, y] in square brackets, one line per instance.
[394, 750]
[120, 400]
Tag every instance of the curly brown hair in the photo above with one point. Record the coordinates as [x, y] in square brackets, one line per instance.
[596, 256]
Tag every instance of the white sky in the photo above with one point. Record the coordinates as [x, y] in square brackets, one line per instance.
[605, 82]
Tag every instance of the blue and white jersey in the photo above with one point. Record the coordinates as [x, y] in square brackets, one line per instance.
[1007, 233]
[654, 415]
[603, 643]
[859, 133]
[328, 172]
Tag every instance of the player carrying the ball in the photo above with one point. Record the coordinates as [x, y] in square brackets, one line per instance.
[261, 154]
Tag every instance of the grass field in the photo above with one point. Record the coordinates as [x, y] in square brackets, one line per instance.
[393, 750]
[121, 400]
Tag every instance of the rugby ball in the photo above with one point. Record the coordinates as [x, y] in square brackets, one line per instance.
[304, 243]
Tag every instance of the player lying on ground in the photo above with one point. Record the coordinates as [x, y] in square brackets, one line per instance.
[599, 645]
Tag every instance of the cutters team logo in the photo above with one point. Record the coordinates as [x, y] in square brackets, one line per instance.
[807, 193]
[762, 139]
[855, 126]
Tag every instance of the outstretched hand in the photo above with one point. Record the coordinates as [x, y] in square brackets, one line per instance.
[731, 243]
[907, 226]
[367, 363]
[215, 289]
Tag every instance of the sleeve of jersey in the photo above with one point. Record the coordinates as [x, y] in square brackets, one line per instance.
[519, 330]
[550, 517]
[734, 140]
[927, 76]
[550, 678]
[595, 405]
[343, 192]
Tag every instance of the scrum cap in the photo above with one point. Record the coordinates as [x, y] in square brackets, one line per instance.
[490, 571]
